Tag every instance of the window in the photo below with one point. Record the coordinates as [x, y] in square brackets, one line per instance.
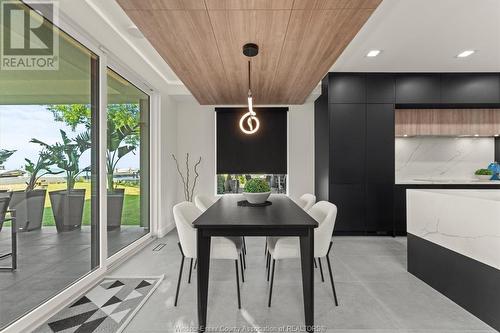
[241, 156]
[48, 172]
[127, 163]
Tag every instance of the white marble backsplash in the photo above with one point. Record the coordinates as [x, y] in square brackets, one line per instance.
[441, 158]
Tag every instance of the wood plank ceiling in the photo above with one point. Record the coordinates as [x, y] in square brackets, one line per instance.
[202, 40]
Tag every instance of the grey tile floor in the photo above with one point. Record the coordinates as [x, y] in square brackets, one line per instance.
[47, 263]
[375, 291]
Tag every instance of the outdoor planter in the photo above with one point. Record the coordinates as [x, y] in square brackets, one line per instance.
[67, 207]
[115, 208]
[29, 206]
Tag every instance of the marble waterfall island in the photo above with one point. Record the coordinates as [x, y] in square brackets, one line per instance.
[454, 246]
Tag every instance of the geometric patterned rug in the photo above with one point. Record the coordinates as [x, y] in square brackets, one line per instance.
[108, 307]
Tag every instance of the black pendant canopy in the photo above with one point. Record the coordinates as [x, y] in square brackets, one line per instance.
[250, 49]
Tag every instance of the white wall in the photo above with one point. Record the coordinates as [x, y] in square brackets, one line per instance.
[168, 179]
[196, 136]
[301, 149]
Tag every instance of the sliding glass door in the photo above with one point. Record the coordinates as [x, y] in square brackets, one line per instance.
[48, 162]
[127, 162]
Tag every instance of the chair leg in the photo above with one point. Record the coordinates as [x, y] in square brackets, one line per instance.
[179, 279]
[244, 246]
[331, 280]
[244, 260]
[268, 265]
[265, 249]
[195, 263]
[321, 270]
[315, 265]
[241, 264]
[237, 283]
[190, 270]
[271, 288]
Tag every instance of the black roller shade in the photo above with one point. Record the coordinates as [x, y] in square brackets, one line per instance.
[264, 152]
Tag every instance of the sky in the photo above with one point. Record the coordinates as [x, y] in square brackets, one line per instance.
[20, 123]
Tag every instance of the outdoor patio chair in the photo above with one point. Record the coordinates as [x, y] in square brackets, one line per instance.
[4, 204]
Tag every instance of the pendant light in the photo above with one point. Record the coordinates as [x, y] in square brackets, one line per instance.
[249, 123]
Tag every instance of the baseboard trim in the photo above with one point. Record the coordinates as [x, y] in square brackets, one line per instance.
[469, 283]
[162, 232]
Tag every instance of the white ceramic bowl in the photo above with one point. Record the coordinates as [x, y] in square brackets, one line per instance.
[256, 198]
[483, 177]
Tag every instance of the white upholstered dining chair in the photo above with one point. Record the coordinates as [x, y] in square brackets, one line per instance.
[325, 213]
[185, 213]
[306, 201]
[203, 202]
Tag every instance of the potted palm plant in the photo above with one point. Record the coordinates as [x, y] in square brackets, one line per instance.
[121, 141]
[4, 155]
[256, 191]
[29, 204]
[67, 204]
[123, 138]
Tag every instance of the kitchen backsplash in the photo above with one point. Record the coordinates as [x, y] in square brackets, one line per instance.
[445, 158]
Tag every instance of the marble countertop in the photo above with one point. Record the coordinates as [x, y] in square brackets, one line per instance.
[445, 181]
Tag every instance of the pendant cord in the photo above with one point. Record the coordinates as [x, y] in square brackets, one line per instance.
[249, 77]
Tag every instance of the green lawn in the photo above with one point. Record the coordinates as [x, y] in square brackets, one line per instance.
[131, 203]
[130, 213]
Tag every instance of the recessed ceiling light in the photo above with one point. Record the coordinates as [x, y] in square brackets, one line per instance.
[496, 135]
[405, 135]
[373, 53]
[465, 53]
[476, 135]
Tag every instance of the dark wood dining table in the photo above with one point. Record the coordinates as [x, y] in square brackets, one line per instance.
[283, 218]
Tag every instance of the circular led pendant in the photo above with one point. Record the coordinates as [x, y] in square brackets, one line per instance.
[251, 125]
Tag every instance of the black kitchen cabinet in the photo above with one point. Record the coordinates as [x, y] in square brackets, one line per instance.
[347, 145]
[321, 147]
[354, 138]
[350, 200]
[418, 89]
[380, 88]
[459, 88]
[347, 88]
[379, 208]
[380, 143]
[399, 210]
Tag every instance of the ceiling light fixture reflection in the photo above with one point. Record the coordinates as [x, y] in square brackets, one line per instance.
[373, 53]
[249, 123]
[465, 53]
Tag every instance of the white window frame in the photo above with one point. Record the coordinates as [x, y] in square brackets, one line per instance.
[46, 309]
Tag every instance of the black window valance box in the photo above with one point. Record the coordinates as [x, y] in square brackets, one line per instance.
[264, 152]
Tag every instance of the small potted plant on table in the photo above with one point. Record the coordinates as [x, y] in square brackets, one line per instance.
[484, 174]
[256, 191]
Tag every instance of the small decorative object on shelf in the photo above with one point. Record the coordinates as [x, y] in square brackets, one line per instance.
[257, 191]
[483, 174]
[495, 168]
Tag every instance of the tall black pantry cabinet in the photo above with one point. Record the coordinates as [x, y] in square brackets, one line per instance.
[354, 139]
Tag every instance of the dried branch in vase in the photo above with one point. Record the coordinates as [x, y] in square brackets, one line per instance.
[187, 190]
